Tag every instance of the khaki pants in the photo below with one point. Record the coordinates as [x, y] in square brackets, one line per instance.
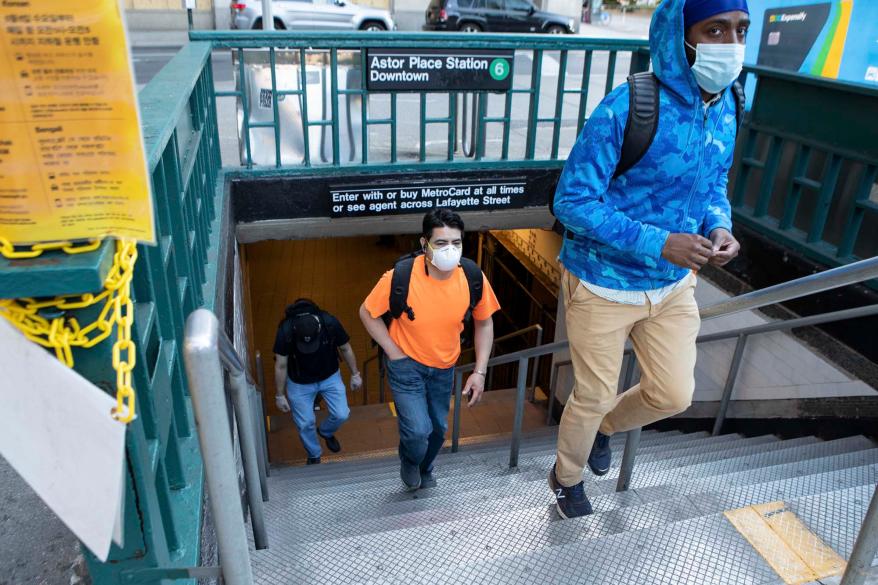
[663, 337]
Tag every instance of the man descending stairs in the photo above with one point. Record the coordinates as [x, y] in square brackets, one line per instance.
[352, 522]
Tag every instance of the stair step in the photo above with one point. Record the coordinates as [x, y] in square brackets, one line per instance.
[705, 550]
[428, 548]
[345, 464]
[466, 456]
[763, 456]
[496, 476]
[463, 465]
[453, 506]
[815, 459]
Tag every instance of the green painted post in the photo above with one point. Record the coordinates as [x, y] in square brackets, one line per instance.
[611, 73]
[364, 109]
[274, 106]
[769, 175]
[507, 122]
[306, 139]
[333, 81]
[452, 125]
[481, 135]
[583, 92]
[855, 216]
[245, 107]
[392, 127]
[559, 104]
[534, 110]
[742, 177]
[422, 128]
[824, 200]
[800, 168]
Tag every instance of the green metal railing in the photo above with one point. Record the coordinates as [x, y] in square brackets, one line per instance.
[164, 481]
[807, 166]
[586, 70]
[163, 503]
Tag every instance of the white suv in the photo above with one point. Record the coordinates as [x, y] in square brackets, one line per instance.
[311, 15]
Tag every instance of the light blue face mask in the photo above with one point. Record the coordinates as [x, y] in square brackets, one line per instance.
[717, 66]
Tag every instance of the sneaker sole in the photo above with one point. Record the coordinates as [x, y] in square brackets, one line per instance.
[599, 472]
[560, 513]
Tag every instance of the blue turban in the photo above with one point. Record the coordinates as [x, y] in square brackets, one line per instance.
[697, 10]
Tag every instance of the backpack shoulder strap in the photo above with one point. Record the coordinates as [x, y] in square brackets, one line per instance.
[399, 288]
[643, 118]
[740, 102]
[475, 281]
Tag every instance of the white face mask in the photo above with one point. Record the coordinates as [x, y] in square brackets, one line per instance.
[717, 66]
[445, 258]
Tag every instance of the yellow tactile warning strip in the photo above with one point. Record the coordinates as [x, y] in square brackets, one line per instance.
[793, 551]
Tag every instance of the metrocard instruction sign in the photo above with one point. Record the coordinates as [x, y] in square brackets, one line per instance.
[72, 162]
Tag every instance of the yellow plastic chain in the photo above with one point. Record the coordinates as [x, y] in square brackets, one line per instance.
[64, 333]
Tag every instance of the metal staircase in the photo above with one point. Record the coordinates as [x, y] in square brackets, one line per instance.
[351, 522]
[678, 517]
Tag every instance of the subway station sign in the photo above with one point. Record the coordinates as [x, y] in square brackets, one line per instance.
[439, 70]
[370, 200]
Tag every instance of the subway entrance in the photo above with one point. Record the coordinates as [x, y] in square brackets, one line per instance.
[338, 273]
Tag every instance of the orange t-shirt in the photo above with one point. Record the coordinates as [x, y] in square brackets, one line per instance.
[433, 338]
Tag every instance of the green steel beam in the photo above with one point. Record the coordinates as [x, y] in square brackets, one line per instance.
[358, 40]
[56, 273]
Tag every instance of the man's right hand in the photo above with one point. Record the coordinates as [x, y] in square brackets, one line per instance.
[282, 403]
[687, 250]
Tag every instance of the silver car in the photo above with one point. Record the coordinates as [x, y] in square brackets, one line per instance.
[311, 15]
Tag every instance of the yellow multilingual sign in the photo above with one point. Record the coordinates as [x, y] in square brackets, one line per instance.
[72, 162]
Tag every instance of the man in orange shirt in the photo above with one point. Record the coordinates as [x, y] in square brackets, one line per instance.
[422, 345]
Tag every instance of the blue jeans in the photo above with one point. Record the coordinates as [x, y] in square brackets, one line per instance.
[422, 395]
[301, 397]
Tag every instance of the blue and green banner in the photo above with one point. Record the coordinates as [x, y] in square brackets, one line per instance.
[836, 39]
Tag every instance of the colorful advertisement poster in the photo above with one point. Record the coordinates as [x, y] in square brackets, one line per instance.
[836, 39]
[72, 162]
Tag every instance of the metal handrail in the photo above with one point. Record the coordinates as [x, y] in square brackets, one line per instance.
[866, 545]
[207, 351]
[365, 371]
[742, 334]
[535, 327]
[260, 387]
[533, 376]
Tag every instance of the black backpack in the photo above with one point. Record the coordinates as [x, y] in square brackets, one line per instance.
[301, 307]
[642, 124]
[402, 275]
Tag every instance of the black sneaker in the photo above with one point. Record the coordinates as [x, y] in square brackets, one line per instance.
[571, 501]
[427, 480]
[601, 455]
[411, 476]
[331, 442]
[313, 460]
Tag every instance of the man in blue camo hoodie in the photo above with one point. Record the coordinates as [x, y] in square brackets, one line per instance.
[635, 242]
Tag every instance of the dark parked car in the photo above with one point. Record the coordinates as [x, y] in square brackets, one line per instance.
[494, 16]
